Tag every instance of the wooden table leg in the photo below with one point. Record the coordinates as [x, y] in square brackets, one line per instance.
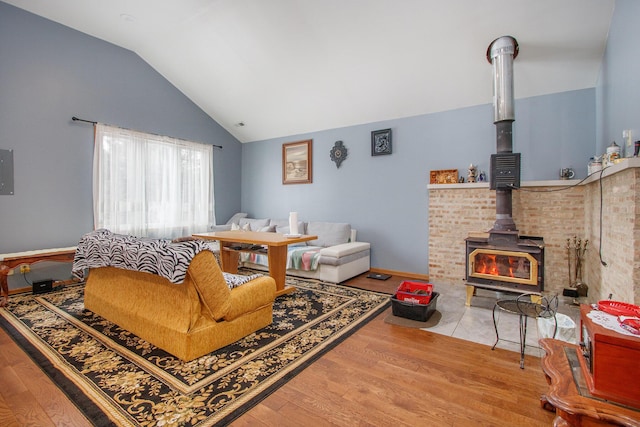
[229, 259]
[278, 268]
[546, 405]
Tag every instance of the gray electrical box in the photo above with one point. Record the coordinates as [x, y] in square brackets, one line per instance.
[6, 172]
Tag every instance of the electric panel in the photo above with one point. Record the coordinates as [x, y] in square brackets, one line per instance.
[6, 172]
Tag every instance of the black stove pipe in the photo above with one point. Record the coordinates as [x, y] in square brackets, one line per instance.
[501, 53]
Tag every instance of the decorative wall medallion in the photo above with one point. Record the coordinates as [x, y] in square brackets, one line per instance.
[338, 153]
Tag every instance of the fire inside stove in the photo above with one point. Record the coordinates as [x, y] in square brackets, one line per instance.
[505, 266]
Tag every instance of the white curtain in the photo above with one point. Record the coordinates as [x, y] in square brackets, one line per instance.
[151, 186]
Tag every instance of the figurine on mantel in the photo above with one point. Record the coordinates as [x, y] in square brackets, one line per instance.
[471, 175]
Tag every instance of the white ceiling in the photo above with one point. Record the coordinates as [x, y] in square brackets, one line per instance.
[285, 67]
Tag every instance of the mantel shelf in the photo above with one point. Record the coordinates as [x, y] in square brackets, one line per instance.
[626, 163]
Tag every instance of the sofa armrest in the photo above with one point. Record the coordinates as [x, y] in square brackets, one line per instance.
[223, 227]
[251, 296]
[207, 278]
[344, 249]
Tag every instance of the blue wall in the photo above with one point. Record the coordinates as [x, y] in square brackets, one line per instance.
[49, 73]
[618, 88]
[385, 197]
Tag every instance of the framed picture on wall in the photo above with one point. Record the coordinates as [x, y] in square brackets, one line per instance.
[381, 142]
[297, 162]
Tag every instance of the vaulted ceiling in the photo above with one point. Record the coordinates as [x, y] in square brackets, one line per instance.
[284, 67]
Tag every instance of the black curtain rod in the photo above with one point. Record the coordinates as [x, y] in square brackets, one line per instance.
[76, 119]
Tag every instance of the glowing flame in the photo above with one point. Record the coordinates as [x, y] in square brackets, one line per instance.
[501, 265]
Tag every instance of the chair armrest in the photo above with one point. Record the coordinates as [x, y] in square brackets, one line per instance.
[344, 249]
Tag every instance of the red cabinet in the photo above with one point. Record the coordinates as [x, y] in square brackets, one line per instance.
[611, 365]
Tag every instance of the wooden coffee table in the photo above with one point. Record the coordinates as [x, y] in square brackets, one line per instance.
[276, 251]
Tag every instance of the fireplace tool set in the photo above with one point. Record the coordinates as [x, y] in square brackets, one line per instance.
[575, 258]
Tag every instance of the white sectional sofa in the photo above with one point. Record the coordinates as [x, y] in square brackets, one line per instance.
[334, 257]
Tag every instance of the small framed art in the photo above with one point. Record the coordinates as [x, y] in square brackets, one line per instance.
[381, 142]
[297, 162]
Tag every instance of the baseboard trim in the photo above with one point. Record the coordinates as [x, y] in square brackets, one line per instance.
[416, 276]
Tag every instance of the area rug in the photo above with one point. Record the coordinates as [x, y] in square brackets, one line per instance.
[118, 379]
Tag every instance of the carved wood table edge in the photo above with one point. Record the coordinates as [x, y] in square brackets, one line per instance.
[563, 396]
[9, 261]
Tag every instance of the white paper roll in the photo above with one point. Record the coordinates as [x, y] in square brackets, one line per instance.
[293, 223]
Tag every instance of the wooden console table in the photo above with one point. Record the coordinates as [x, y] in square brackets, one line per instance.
[568, 393]
[276, 251]
[10, 261]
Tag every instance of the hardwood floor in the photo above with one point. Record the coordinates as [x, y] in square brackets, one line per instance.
[383, 375]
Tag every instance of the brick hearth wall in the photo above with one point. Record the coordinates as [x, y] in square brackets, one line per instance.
[457, 210]
[620, 236]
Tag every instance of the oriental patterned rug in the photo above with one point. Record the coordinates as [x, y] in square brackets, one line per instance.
[116, 378]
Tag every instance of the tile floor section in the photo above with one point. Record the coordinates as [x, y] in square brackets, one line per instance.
[475, 323]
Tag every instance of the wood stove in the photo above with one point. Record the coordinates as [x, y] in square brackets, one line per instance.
[504, 262]
[501, 259]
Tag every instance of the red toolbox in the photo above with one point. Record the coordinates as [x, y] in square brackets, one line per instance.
[414, 292]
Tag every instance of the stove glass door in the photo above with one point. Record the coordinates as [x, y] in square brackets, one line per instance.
[506, 266]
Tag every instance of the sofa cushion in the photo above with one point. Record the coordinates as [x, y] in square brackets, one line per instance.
[254, 224]
[282, 226]
[235, 219]
[345, 259]
[329, 233]
[339, 251]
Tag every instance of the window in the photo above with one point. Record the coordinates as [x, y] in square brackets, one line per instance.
[151, 186]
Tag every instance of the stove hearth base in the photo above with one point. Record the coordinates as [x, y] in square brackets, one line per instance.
[472, 287]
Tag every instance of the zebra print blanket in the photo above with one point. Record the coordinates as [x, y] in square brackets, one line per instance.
[102, 248]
